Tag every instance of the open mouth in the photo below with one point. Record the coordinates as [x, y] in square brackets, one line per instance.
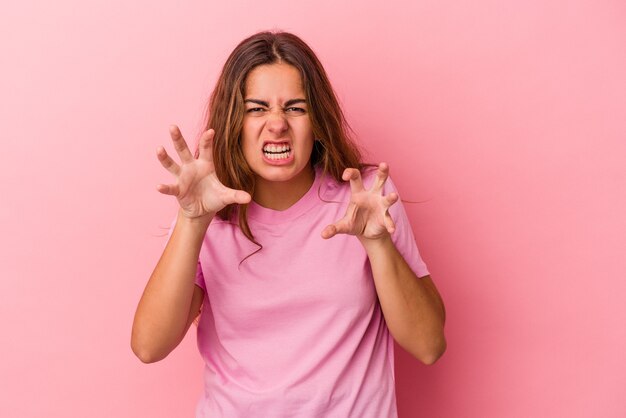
[277, 151]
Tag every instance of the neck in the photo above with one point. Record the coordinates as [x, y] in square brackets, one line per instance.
[281, 195]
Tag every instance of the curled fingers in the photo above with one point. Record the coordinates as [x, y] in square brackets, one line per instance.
[354, 176]
[169, 189]
[180, 145]
[381, 177]
[167, 162]
[205, 146]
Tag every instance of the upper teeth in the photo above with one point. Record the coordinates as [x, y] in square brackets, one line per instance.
[276, 148]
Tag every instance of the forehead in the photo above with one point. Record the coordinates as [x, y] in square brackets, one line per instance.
[274, 80]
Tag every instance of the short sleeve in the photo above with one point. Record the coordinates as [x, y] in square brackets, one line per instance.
[199, 280]
[403, 237]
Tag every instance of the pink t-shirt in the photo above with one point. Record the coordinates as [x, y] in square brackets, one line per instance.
[296, 330]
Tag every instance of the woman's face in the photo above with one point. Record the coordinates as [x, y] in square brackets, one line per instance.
[277, 137]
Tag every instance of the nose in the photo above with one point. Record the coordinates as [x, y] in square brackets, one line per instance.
[277, 122]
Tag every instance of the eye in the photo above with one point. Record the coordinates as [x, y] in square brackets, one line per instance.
[255, 110]
[295, 110]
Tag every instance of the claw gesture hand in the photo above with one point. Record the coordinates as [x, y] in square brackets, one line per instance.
[367, 216]
[197, 188]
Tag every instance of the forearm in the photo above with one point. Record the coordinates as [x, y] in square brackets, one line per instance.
[413, 313]
[161, 316]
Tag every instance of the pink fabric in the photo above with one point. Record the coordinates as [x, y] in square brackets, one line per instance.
[296, 329]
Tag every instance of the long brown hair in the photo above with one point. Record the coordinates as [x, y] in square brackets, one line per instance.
[334, 149]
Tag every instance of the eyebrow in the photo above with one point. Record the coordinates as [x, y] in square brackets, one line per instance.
[266, 104]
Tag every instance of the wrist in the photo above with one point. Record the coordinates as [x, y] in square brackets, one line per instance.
[375, 244]
[201, 222]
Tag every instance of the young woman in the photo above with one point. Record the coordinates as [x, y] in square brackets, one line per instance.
[299, 257]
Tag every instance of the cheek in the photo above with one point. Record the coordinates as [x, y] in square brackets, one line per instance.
[252, 124]
[249, 133]
[305, 132]
[247, 143]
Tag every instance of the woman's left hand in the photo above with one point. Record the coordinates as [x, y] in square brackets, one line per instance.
[367, 216]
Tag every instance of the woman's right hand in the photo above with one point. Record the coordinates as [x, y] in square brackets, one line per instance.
[197, 188]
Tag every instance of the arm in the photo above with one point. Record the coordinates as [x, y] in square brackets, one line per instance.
[170, 301]
[413, 309]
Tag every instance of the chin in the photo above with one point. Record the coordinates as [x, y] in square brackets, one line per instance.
[280, 173]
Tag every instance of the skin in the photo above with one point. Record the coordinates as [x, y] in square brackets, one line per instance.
[412, 307]
[171, 300]
[274, 113]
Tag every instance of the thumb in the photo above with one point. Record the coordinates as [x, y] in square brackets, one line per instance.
[329, 232]
[241, 197]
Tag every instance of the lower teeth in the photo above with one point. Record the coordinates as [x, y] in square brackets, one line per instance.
[280, 156]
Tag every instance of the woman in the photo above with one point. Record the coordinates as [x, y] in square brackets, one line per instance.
[298, 255]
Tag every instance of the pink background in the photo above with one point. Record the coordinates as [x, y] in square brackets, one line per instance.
[507, 120]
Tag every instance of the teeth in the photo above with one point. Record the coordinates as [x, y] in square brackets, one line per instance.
[277, 155]
[276, 152]
[276, 148]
